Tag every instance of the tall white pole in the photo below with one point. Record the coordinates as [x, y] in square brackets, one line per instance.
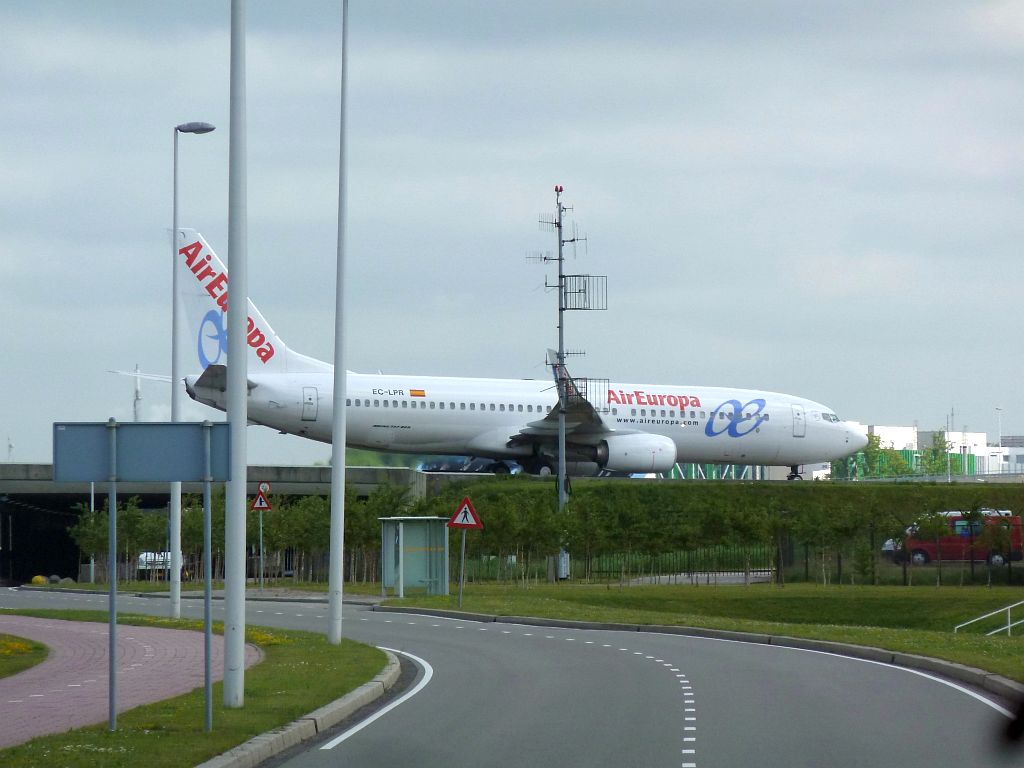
[175, 501]
[563, 395]
[336, 576]
[176, 377]
[234, 524]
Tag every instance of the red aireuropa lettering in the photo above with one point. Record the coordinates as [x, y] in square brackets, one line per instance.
[216, 285]
[640, 397]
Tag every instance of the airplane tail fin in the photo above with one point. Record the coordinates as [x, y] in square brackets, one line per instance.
[203, 302]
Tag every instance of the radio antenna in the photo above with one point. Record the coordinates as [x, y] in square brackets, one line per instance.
[575, 292]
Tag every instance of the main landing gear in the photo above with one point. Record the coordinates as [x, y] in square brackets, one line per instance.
[794, 473]
[537, 466]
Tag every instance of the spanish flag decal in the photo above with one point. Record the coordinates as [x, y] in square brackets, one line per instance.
[417, 393]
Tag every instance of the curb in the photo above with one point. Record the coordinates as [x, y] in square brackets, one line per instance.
[266, 745]
[995, 684]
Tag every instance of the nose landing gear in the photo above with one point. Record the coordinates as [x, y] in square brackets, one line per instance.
[794, 473]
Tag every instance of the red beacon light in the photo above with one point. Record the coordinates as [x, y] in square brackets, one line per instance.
[558, 188]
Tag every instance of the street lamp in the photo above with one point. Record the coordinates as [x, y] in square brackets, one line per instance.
[175, 504]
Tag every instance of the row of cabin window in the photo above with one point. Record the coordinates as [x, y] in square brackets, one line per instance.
[431, 404]
[671, 414]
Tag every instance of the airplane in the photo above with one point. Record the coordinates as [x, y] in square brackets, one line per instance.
[630, 428]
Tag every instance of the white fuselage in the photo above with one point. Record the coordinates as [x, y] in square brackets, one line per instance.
[479, 417]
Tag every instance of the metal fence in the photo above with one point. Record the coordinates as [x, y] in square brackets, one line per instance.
[700, 565]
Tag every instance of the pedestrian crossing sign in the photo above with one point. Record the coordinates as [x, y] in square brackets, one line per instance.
[465, 516]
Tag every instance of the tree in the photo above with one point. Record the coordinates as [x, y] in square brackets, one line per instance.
[934, 459]
[932, 524]
[997, 539]
[90, 532]
[873, 455]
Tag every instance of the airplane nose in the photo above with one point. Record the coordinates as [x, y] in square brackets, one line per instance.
[855, 439]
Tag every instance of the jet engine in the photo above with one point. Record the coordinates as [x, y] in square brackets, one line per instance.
[636, 453]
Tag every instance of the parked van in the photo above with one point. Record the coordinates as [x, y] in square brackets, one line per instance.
[964, 540]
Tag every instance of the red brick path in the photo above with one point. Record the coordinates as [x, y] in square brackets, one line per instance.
[70, 688]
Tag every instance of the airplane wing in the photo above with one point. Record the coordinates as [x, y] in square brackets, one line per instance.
[583, 421]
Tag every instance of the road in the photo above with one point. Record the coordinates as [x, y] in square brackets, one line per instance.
[503, 694]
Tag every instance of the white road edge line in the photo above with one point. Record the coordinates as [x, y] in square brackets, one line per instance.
[428, 673]
[909, 670]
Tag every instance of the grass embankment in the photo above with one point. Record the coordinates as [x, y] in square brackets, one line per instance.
[918, 620]
[300, 672]
[18, 654]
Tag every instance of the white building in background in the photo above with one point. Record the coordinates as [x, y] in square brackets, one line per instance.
[900, 438]
[987, 459]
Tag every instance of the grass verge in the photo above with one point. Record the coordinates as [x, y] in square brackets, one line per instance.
[915, 620]
[19, 653]
[300, 672]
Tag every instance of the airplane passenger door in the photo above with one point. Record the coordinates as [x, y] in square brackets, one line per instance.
[799, 421]
[310, 403]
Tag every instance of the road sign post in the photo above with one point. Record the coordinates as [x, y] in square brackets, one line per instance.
[264, 489]
[465, 517]
[144, 452]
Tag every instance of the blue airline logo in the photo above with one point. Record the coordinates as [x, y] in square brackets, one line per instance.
[212, 338]
[735, 423]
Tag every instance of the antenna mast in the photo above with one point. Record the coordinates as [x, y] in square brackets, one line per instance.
[138, 394]
[575, 292]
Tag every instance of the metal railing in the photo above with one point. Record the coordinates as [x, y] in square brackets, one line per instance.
[1010, 623]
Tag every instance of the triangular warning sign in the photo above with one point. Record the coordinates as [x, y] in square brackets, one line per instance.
[465, 516]
[260, 502]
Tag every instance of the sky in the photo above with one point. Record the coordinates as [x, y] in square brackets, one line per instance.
[823, 199]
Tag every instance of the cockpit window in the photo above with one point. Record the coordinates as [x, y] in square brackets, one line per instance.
[830, 417]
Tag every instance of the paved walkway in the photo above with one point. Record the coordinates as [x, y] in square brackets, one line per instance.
[70, 689]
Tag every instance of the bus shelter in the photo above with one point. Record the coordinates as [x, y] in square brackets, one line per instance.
[414, 555]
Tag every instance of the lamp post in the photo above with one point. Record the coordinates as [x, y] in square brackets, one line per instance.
[999, 417]
[175, 504]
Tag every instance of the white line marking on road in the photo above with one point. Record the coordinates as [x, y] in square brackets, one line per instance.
[977, 696]
[428, 673]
